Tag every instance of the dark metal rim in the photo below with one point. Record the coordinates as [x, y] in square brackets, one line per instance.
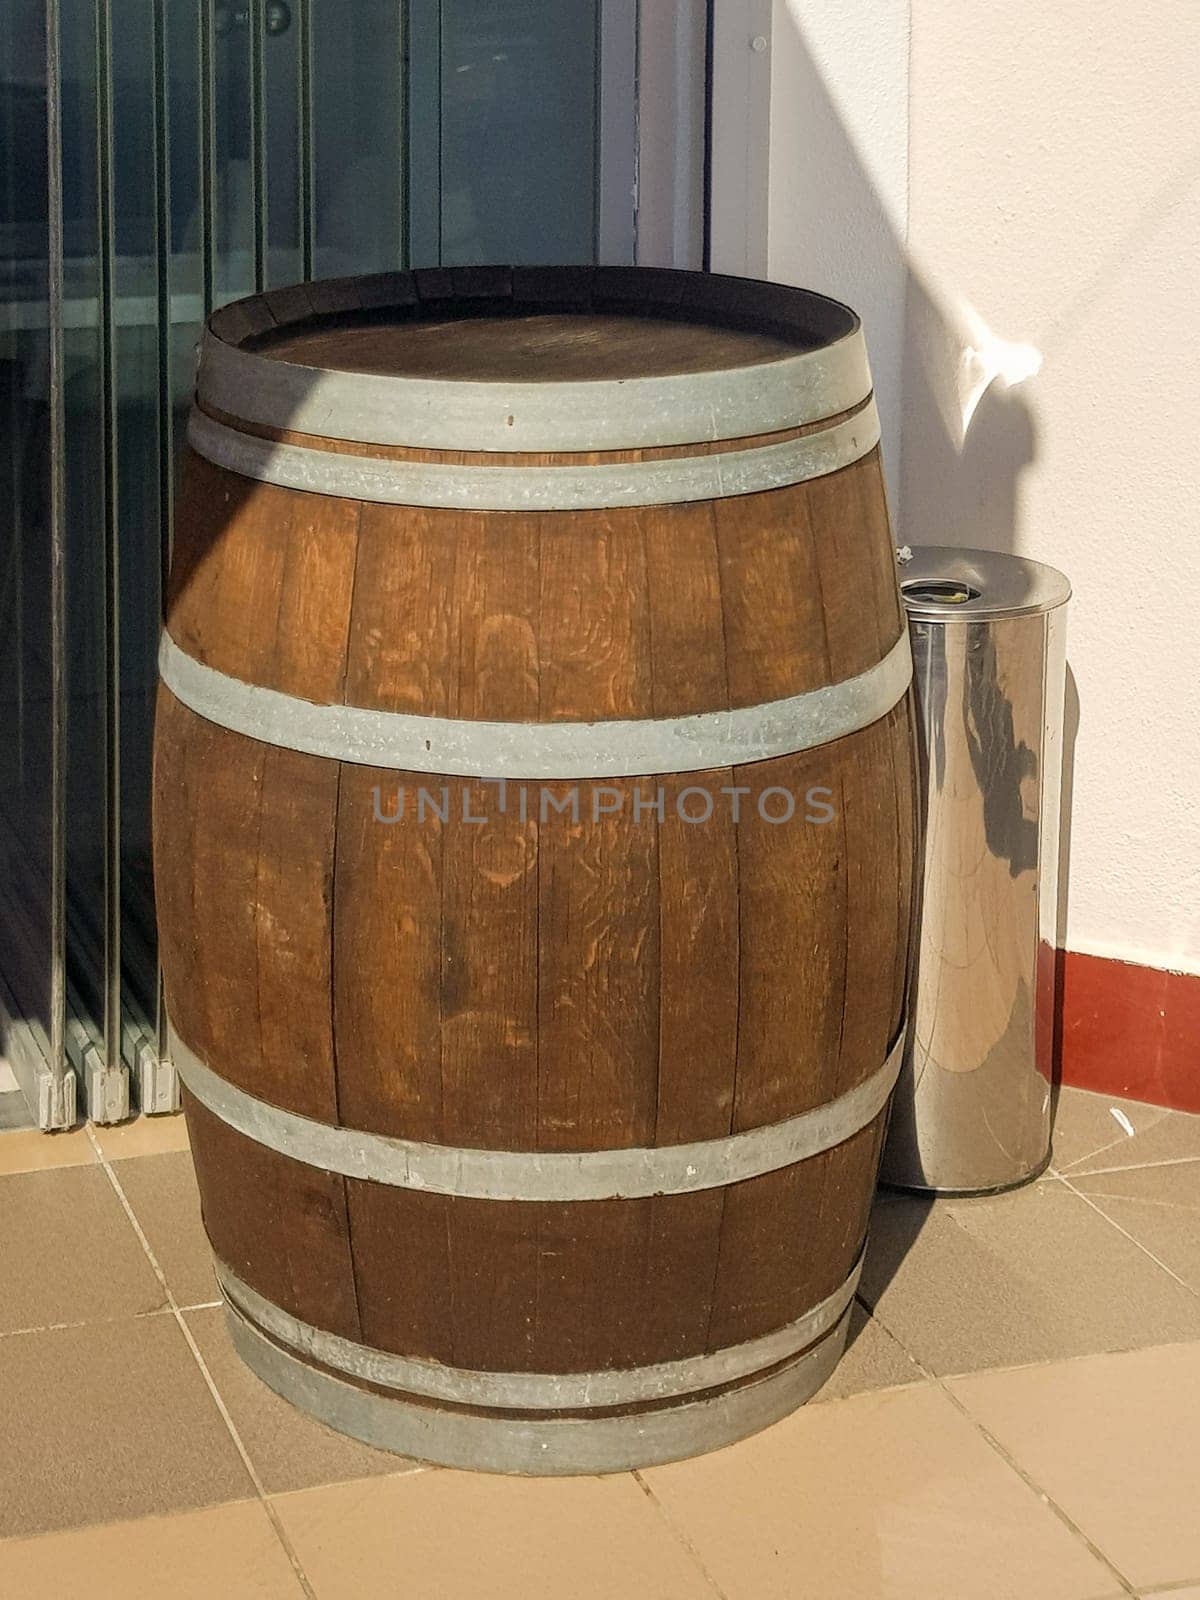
[828, 375]
[535, 1391]
[678, 480]
[533, 1175]
[552, 1447]
[813, 320]
[466, 748]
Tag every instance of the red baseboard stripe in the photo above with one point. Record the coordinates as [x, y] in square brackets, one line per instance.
[1129, 1030]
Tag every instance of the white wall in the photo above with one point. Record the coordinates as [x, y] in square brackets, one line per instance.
[838, 185]
[1050, 157]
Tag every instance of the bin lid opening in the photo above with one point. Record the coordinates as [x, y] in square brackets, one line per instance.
[940, 591]
[941, 584]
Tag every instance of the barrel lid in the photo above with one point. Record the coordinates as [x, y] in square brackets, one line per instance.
[526, 358]
[534, 346]
[943, 584]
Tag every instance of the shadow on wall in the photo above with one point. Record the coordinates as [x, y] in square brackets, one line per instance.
[968, 434]
[958, 432]
[950, 390]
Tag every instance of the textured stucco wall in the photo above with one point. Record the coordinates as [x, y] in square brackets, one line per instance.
[1050, 160]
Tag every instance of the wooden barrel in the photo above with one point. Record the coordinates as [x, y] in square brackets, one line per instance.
[534, 838]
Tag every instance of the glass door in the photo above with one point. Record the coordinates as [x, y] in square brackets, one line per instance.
[505, 131]
[158, 158]
[32, 1005]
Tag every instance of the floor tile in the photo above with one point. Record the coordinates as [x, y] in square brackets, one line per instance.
[227, 1550]
[1035, 1275]
[1174, 1137]
[143, 1136]
[69, 1253]
[873, 1360]
[14, 1108]
[886, 1497]
[162, 1191]
[106, 1422]
[452, 1535]
[1086, 1123]
[30, 1150]
[289, 1449]
[1115, 1441]
[1159, 1206]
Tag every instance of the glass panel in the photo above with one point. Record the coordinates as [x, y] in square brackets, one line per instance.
[281, 77]
[518, 130]
[208, 146]
[234, 189]
[358, 136]
[28, 933]
[85, 472]
[137, 461]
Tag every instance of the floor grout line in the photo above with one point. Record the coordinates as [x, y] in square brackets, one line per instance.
[88, 1322]
[1122, 1138]
[926, 1377]
[1146, 1251]
[1010, 1461]
[1141, 1200]
[1062, 1178]
[678, 1534]
[218, 1400]
[1043, 1495]
[1129, 1166]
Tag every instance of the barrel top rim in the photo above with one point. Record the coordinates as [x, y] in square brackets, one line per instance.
[825, 373]
[989, 585]
[766, 322]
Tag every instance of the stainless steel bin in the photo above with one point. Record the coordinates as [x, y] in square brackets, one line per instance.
[972, 1109]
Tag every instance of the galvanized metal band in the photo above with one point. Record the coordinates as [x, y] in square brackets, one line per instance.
[675, 481]
[619, 414]
[539, 1175]
[539, 1446]
[538, 1391]
[457, 747]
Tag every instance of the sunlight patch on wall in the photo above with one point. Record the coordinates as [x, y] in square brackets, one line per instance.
[988, 359]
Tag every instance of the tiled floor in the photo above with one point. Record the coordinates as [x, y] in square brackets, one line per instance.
[1018, 1416]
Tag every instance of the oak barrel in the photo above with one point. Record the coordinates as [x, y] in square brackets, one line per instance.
[534, 817]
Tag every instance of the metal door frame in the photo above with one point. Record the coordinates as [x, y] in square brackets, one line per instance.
[740, 136]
